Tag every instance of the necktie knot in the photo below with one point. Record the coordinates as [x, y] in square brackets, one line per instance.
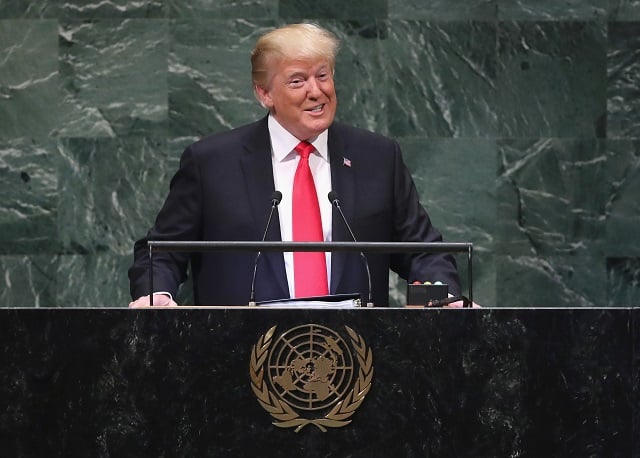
[304, 149]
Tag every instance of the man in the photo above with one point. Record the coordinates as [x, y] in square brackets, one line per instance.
[223, 189]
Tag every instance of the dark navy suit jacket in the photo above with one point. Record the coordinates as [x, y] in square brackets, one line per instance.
[222, 191]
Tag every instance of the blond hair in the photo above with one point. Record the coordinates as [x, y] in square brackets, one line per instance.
[295, 41]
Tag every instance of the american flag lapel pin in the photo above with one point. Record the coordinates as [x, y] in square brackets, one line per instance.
[346, 162]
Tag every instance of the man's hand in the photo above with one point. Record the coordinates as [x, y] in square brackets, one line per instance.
[459, 305]
[159, 300]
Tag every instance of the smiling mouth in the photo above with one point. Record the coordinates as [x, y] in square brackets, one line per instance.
[316, 109]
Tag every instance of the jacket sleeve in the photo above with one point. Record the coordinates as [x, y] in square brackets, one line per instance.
[179, 219]
[412, 224]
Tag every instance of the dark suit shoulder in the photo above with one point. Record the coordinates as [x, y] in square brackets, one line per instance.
[230, 141]
[350, 135]
[347, 130]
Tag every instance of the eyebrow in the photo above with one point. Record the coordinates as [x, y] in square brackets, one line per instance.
[302, 73]
[296, 74]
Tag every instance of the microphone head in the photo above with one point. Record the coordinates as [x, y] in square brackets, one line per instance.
[333, 197]
[276, 197]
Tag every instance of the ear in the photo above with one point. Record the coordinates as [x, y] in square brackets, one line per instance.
[264, 96]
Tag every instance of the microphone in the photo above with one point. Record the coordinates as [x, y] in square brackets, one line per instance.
[276, 197]
[335, 201]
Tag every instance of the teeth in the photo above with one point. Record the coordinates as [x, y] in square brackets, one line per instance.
[318, 108]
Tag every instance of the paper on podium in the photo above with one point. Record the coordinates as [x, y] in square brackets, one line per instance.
[330, 301]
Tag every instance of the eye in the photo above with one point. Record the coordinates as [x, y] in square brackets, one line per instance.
[295, 82]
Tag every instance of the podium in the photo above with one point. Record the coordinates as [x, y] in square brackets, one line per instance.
[453, 383]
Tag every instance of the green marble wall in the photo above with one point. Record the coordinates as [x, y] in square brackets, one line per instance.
[520, 120]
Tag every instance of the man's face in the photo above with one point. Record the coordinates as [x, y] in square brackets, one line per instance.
[301, 96]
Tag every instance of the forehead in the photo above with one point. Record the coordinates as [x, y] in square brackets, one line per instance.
[287, 67]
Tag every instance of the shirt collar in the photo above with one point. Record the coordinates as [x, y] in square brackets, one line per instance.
[283, 142]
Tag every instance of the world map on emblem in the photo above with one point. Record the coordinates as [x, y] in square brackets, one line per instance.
[310, 367]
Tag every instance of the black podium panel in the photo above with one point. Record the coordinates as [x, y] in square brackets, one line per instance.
[450, 383]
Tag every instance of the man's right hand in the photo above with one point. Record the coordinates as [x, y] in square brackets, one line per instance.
[159, 300]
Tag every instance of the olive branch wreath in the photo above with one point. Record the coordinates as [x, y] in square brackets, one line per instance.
[284, 413]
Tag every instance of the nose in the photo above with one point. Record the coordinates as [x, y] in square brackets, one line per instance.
[313, 88]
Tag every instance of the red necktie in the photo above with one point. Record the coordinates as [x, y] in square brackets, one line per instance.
[309, 268]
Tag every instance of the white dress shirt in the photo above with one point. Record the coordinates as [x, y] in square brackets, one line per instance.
[285, 161]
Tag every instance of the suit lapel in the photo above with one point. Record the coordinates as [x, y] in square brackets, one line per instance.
[258, 172]
[344, 184]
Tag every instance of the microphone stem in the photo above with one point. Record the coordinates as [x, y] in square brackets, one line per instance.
[252, 296]
[336, 203]
[366, 266]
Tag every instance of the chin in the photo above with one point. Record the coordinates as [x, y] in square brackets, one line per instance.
[320, 125]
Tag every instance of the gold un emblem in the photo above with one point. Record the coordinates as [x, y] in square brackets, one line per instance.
[310, 376]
